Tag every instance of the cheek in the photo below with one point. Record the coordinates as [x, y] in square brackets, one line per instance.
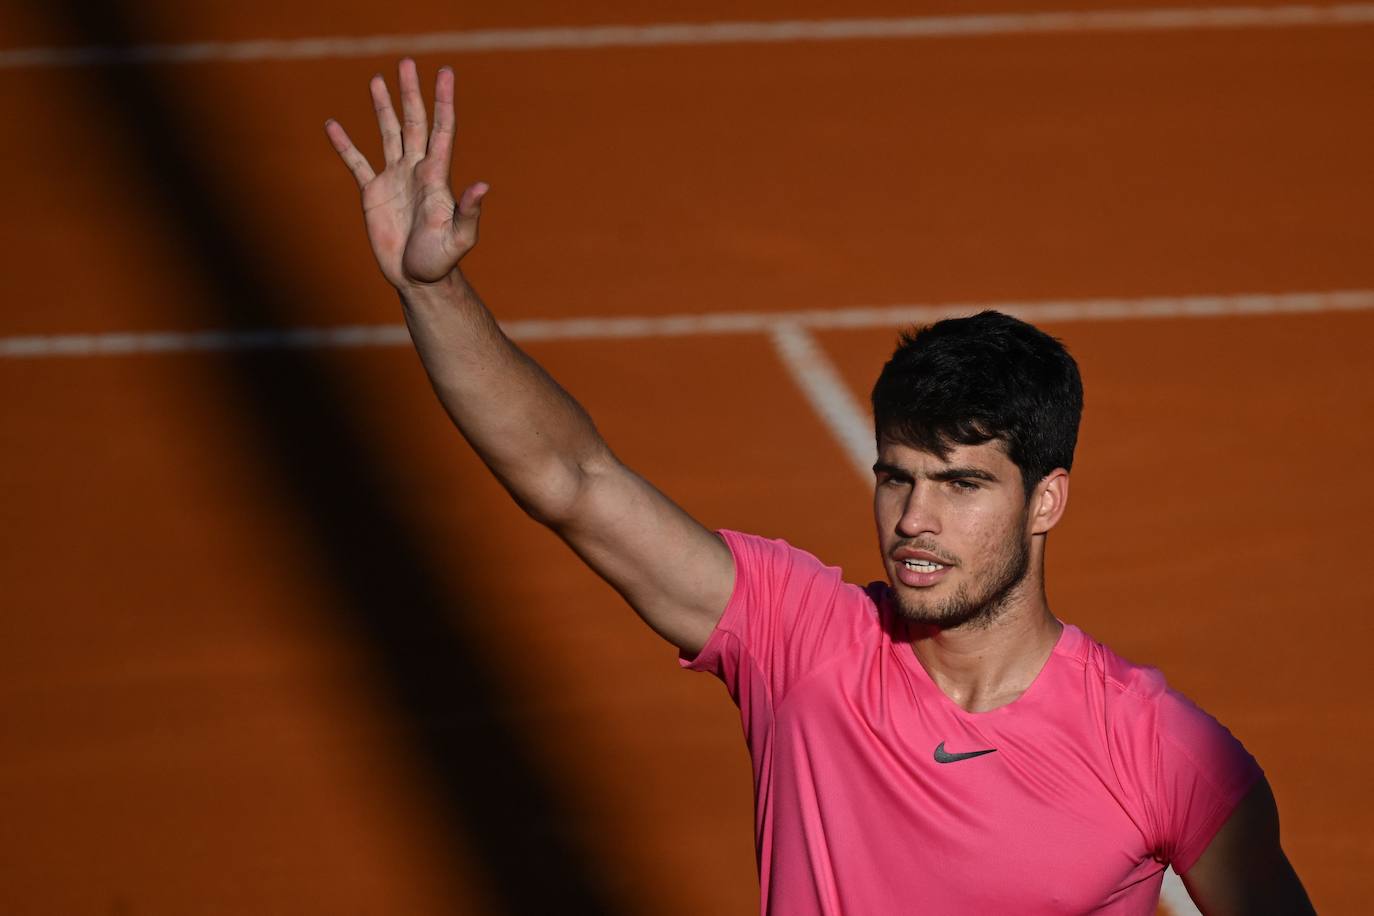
[988, 532]
[887, 509]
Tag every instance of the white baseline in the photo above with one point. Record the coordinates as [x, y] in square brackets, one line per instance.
[690, 325]
[706, 33]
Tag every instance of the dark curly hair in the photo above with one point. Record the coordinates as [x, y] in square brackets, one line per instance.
[966, 381]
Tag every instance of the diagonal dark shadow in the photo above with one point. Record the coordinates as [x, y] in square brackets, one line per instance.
[499, 804]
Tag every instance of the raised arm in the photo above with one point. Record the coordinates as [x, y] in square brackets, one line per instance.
[534, 437]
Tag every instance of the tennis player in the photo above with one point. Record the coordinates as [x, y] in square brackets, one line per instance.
[936, 743]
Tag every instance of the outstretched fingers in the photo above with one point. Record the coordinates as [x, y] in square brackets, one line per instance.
[414, 124]
[355, 161]
[387, 123]
[441, 137]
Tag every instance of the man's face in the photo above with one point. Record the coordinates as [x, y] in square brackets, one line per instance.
[954, 531]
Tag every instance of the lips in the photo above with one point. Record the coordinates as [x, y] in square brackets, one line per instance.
[919, 568]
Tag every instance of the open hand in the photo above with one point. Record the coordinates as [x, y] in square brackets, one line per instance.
[417, 230]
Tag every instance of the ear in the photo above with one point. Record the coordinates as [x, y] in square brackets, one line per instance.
[1048, 501]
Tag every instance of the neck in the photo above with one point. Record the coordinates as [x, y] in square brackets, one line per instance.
[982, 667]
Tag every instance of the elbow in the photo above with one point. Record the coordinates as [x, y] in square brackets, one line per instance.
[557, 495]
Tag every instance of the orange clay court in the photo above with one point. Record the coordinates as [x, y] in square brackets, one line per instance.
[273, 640]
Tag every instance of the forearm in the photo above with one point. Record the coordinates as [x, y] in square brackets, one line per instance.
[536, 439]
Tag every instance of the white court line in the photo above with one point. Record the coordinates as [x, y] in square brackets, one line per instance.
[707, 33]
[830, 397]
[894, 316]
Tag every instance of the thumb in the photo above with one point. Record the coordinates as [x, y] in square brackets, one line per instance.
[470, 204]
[467, 213]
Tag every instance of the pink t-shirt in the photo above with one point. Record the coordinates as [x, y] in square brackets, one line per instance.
[1097, 777]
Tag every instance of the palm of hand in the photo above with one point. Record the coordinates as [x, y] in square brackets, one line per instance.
[407, 224]
[418, 231]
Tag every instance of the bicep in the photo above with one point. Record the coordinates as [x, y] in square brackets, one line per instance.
[1243, 869]
[672, 570]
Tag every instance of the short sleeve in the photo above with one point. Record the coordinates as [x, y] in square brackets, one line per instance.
[787, 613]
[1204, 773]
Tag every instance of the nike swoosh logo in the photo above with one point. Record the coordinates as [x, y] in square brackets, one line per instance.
[944, 756]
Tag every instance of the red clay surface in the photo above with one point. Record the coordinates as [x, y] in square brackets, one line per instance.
[189, 727]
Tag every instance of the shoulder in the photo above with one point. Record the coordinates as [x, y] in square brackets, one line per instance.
[752, 551]
[1141, 711]
[1145, 690]
[788, 609]
[771, 569]
[1183, 768]
[1118, 678]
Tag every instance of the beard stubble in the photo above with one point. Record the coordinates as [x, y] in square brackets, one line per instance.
[976, 611]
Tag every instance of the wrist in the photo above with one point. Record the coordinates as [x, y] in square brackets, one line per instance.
[448, 291]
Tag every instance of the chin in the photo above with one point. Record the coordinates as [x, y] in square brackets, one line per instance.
[938, 617]
[957, 610]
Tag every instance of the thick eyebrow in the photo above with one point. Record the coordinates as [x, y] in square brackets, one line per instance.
[943, 476]
[891, 470]
[964, 474]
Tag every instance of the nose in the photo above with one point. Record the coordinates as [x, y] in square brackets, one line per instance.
[920, 515]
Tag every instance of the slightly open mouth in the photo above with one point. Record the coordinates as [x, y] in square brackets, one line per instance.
[922, 566]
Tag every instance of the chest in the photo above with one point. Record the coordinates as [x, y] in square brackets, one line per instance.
[1022, 804]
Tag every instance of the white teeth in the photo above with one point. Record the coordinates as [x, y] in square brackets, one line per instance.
[924, 566]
